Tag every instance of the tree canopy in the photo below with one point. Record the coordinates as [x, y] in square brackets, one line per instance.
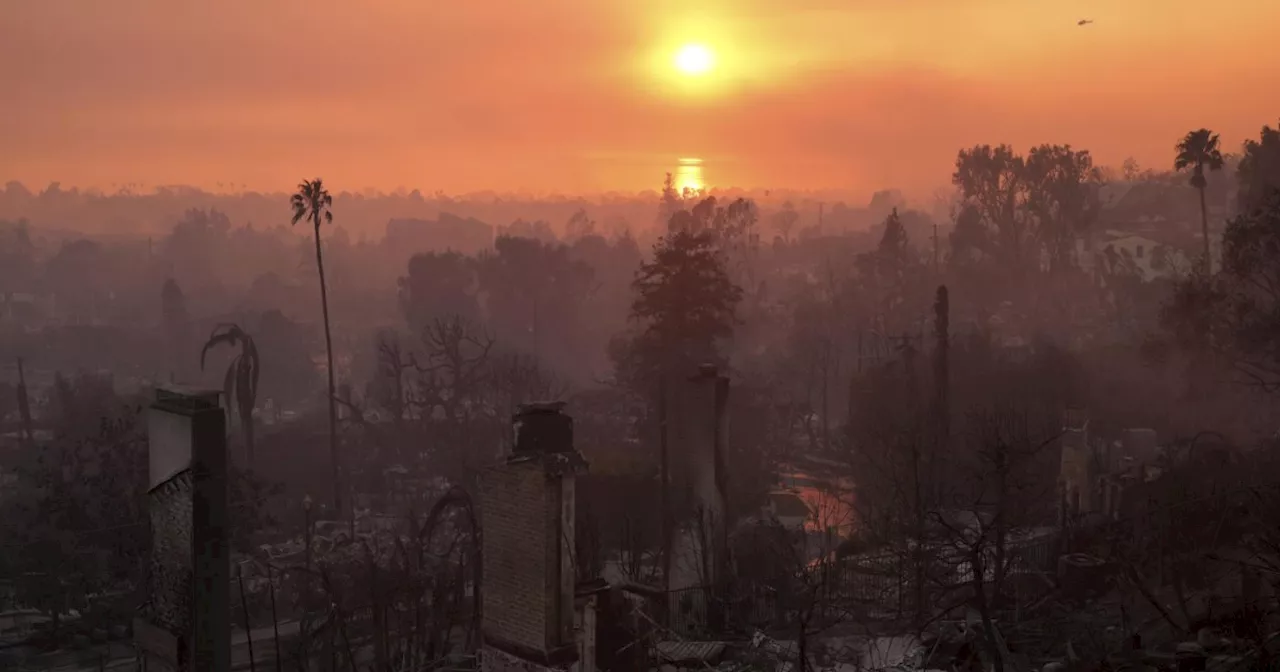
[684, 307]
[1034, 206]
[1236, 311]
[1259, 169]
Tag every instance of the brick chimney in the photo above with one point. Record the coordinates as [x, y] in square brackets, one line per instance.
[186, 625]
[527, 516]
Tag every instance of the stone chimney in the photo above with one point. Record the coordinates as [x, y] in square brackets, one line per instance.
[696, 435]
[186, 625]
[1077, 469]
[527, 515]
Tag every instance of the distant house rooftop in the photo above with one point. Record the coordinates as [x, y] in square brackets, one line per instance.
[788, 505]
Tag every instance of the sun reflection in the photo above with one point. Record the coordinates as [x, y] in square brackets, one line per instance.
[688, 179]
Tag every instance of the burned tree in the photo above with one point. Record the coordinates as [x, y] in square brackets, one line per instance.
[1000, 502]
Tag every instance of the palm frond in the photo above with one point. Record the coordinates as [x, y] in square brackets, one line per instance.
[223, 334]
[312, 201]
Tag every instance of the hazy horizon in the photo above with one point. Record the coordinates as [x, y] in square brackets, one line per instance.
[582, 98]
[993, 282]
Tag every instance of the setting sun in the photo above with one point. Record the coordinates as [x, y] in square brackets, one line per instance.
[694, 59]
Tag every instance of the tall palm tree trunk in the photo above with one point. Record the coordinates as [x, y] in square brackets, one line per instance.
[248, 437]
[1208, 272]
[1204, 229]
[328, 348]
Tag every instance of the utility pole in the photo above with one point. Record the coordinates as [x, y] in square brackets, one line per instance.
[24, 407]
[935, 248]
[826, 406]
[664, 487]
[821, 207]
[536, 352]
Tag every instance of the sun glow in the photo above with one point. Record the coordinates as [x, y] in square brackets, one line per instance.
[695, 59]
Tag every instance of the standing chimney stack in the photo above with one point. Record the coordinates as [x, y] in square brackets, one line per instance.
[527, 506]
[187, 623]
[696, 433]
[542, 427]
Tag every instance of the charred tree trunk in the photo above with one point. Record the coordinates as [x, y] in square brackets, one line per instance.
[1000, 523]
[982, 605]
[942, 366]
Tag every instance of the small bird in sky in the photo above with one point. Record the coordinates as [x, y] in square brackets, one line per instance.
[1084, 22]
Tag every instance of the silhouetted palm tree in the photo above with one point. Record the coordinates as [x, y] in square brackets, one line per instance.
[313, 203]
[1198, 151]
[241, 382]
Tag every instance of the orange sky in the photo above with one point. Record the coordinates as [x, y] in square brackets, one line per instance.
[577, 95]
